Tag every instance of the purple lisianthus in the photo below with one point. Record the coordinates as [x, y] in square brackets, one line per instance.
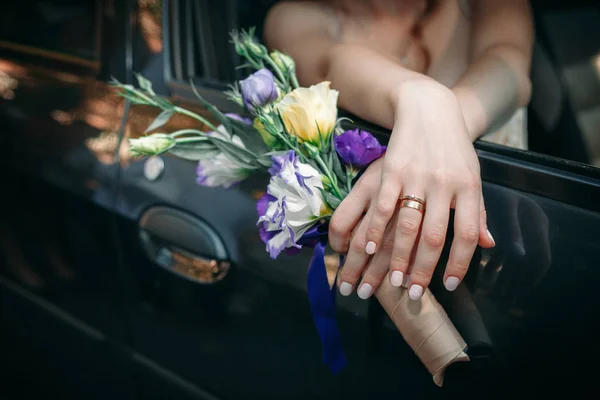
[237, 117]
[292, 205]
[258, 90]
[358, 148]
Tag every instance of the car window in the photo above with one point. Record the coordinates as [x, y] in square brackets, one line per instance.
[562, 119]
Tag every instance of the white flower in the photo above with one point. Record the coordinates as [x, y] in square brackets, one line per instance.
[220, 171]
[310, 113]
[295, 203]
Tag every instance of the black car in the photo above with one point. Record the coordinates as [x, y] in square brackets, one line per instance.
[122, 278]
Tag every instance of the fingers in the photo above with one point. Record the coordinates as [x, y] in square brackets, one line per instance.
[384, 207]
[356, 258]
[346, 217]
[407, 231]
[378, 268]
[486, 240]
[431, 243]
[466, 235]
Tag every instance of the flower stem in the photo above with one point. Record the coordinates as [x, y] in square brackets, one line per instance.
[294, 79]
[191, 140]
[195, 116]
[187, 132]
[330, 176]
[279, 73]
[350, 175]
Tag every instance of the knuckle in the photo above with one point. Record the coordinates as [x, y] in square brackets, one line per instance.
[459, 269]
[336, 228]
[388, 244]
[358, 244]
[373, 232]
[469, 233]
[350, 274]
[440, 177]
[434, 238]
[420, 276]
[385, 208]
[398, 262]
[472, 182]
[408, 227]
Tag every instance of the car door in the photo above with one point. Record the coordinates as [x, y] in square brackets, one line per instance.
[62, 315]
[214, 317]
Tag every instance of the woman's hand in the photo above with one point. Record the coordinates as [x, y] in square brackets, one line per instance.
[430, 156]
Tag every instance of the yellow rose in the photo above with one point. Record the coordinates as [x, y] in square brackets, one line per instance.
[310, 113]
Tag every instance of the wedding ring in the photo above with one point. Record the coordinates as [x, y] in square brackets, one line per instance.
[413, 198]
[414, 204]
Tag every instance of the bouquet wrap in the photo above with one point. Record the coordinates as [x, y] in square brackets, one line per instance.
[426, 328]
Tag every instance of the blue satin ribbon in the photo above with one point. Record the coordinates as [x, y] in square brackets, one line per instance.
[322, 305]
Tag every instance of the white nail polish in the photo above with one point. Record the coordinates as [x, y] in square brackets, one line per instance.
[415, 292]
[371, 247]
[364, 291]
[345, 289]
[491, 237]
[397, 278]
[451, 283]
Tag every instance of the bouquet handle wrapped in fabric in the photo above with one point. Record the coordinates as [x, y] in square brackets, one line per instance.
[294, 134]
[426, 328]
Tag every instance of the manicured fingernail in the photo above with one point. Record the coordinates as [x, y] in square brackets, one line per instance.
[491, 237]
[397, 278]
[364, 291]
[415, 292]
[451, 283]
[371, 247]
[345, 289]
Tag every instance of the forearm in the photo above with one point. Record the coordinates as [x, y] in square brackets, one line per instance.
[494, 87]
[368, 82]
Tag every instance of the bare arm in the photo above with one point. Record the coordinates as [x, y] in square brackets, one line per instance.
[495, 85]
[497, 81]
[367, 79]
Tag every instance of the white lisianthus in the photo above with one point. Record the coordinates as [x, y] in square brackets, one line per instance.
[310, 113]
[151, 145]
[293, 203]
[220, 171]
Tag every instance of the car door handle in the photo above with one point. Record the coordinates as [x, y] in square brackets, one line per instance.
[183, 244]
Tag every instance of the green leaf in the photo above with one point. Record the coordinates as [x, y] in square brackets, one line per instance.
[330, 199]
[249, 136]
[242, 157]
[163, 103]
[222, 118]
[160, 120]
[145, 84]
[336, 165]
[265, 162]
[195, 151]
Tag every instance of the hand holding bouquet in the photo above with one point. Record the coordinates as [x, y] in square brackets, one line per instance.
[295, 134]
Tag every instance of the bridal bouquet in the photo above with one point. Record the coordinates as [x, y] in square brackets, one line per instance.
[294, 133]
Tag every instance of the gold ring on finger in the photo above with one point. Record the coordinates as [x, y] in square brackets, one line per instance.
[413, 198]
[409, 203]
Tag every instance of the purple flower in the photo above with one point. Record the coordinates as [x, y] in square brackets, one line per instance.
[237, 117]
[292, 205]
[358, 148]
[258, 90]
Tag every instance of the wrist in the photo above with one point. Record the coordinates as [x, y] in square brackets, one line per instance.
[418, 93]
[472, 111]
